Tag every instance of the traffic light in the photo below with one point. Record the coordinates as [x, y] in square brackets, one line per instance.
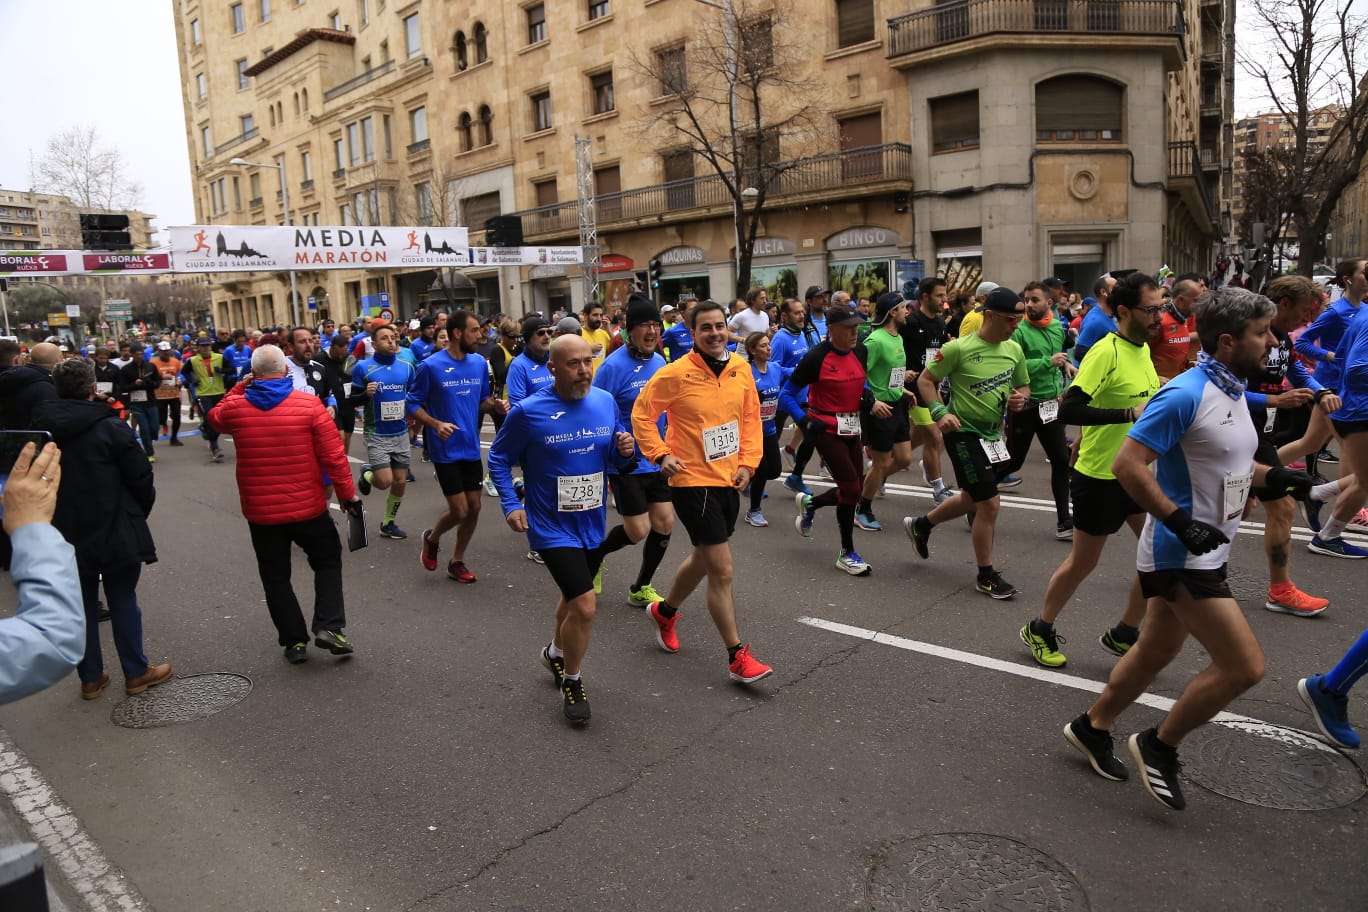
[653, 272]
[105, 232]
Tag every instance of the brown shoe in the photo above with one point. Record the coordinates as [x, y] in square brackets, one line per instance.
[156, 674]
[93, 690]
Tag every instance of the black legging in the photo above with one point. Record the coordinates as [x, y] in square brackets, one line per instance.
[1026, 424]
[171, 408]
[769, 469]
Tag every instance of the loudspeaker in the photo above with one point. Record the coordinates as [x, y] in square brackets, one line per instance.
[504, 231]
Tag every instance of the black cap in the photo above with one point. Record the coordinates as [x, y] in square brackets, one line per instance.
[641, 309]
[533, 323]
[1002, 300]
[842, 315]
[1054, 282]
[814, 291]
[884, 306]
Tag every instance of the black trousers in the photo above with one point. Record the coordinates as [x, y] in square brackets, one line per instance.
[170, 410]
[318, 539]
[1026, 424]
[206, 404]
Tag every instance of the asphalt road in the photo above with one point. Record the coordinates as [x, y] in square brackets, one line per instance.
[433, 770]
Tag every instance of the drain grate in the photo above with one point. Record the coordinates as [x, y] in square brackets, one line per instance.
[1271, 766]
[970, 871]
[182, 699]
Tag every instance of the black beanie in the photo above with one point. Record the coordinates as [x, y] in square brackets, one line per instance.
[641, 309]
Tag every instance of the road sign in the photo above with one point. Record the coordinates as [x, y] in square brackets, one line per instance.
[58, 320]
[115, 310]
[73, 310]
[313, 303]
[387, 314]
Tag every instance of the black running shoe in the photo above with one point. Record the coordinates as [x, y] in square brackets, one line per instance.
[1158, 770]
[296, 653]
[996, 587]
[1097, 747]
[335, 641]
[576, 702]
[920, 534]
[555, 665]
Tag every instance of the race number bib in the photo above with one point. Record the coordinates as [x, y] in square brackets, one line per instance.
[1049, 410]
[104, 388]
[896, 377]
[768, 408]
[346, 390]
[1270, 420]
[168, 381]
[138, 396]
[577, 493]
[931, 353]
[996, 450]
[721, 441]
[392, 411]
[847, 424]
[1236, 493]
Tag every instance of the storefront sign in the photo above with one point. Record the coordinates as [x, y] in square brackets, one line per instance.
[855, 238]
[773, 246]
[683, 256]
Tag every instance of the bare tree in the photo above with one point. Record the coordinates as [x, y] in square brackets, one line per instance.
[1268, 201]
[1303, 53]
[77, 165]
[739, 93]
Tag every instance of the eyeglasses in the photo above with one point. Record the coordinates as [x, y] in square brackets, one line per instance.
[511, 335]
[542, 332]
[1150, 311]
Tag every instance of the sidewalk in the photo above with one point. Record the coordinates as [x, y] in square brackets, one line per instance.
[12, 831]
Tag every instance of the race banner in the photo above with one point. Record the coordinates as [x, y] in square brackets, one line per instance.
[250, 248]
[39, 262]
[152, 262]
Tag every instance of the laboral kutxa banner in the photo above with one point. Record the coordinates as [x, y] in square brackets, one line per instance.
[243, 248]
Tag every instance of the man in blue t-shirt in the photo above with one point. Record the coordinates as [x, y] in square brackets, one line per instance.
[677, 341]
[381, 384]
[1199, 434]
[1097, 322]
[564, 438]
[642, 496]
[452, 390]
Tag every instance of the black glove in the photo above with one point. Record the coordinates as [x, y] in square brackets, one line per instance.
[1198, 537]
[1289, 481]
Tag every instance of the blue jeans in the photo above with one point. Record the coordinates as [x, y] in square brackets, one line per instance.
[120, 587]
[145, 414]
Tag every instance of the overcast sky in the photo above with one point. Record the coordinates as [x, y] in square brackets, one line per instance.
[111, 64]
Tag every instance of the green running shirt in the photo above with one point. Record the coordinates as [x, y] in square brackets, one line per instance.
[1117, 374]
[982, 375]
[886, 365]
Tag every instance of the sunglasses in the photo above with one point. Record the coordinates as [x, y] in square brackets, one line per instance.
[542, 332]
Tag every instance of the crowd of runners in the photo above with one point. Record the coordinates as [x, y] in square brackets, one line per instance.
[1192, 406]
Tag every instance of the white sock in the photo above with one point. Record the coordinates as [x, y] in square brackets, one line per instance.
[573, 677]
[554, 651]
[1332, 529]
[1325, 492]
[938, 485]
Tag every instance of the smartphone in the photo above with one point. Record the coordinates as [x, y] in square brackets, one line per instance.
[11, 443]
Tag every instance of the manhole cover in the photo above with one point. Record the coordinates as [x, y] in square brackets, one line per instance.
[970, 871]
[182, 699]
[1271, 766]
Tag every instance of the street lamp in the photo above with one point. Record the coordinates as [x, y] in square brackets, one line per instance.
[284, 198]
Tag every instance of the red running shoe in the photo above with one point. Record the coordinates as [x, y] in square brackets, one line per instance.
[747, 669]
[665, 628]
[458, 571]
[429, 553]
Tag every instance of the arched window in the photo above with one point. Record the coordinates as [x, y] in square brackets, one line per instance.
[486, 126]
[463, 127]
[304, 97]
[481, 45]
[1079, 108]
[272, 112]
[296, 104]
[458, 48]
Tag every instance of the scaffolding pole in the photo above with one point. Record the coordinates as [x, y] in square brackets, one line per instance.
[588, 218]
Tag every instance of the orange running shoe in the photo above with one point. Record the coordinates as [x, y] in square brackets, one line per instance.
[1295, 602]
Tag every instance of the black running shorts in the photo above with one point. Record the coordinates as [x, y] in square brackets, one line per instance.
[570, 569]
[1200, 584]
[1100, 505]
[973, 470]
[709, 514]
[635, 493]
[880, 434]
[459, 477]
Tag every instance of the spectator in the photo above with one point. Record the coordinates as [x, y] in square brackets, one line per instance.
[23, 387]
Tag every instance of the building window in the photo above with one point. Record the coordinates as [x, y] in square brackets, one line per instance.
[418, 124]
[265, 10]
[254, 188]
[363, 12]
[423, 197]
[545, 191]
[205, 142]
[541, 111]
[413, 41]
[607, 187]
[536, 23]
[672, 70]
[239, 18]
[304, 98]
[248, 123]
[345, 212]
[385, 131]
[480, 209]
[243, 81]
[195, 32]
[954, 122]
[353, 144]
[1078, 108]
[481, 36]
[862, 155]
[463, 128]
[339, 155]
[601, 88]
[237, 195]
[458, 50]
[757, 152]
[757, 44]
[598, 9]
[201, 86]
[854, 22]
[335, 21]
[368, 139]
[306, 166]
[486, 126]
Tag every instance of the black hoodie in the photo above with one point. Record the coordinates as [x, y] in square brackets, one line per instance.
[21, 389]
[107, 491]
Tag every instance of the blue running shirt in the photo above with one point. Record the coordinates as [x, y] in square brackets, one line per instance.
[525, 377]
[451, 389]
[623, 375]
[385, 412]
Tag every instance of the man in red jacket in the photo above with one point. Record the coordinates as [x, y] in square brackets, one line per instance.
[285, 442]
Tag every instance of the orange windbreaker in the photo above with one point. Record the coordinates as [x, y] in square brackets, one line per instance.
[693, 400]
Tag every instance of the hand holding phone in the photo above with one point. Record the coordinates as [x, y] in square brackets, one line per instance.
[30, 489]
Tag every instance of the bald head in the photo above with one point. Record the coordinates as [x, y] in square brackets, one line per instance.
[268, 361]
[45, 355]
[572, 366]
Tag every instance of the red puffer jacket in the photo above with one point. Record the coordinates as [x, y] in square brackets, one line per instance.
[285, 441]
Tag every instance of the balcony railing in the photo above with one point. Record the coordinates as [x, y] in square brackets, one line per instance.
[821, 173]
[960, 20]
[238, 140]
[421, 145]
[1186, 162]
[343, 88]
